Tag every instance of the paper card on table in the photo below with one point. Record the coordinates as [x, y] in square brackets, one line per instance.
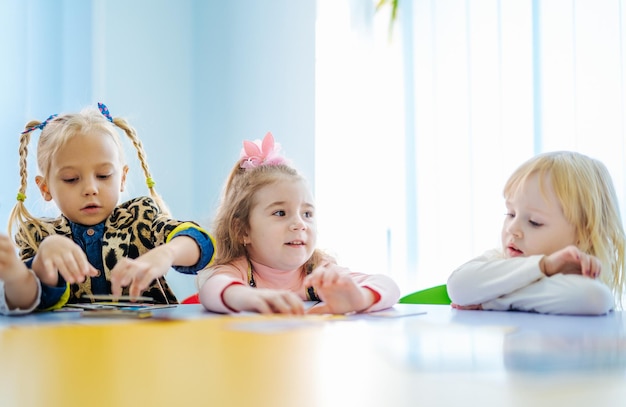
[114, 298]
[116, 313]
[398, 310]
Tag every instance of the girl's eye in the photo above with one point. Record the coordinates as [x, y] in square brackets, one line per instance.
[535, 224]
[104, 176]
[70, 180]
[509, 215]
[279, 213]
[308, 214]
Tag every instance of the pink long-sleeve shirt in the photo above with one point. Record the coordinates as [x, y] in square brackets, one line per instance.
[213, 281]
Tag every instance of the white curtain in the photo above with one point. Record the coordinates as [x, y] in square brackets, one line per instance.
[418, 127]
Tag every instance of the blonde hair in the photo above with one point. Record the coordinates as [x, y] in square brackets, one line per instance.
[57, 133]
[585, 191]
[232, 220]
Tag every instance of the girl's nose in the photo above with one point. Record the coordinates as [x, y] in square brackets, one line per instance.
[514, 228]
[298, 224]
[90, 187]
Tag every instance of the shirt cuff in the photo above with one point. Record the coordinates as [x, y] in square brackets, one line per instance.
[205, 243]
[54, 297]
[211, 293]
[4, 307]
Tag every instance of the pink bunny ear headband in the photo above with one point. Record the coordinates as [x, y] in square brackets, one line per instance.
[258, 153]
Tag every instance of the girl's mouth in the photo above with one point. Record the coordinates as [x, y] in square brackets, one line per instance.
[514, 251]
[90, 208]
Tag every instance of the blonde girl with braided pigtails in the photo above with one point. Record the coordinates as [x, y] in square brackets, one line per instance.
[96, 246]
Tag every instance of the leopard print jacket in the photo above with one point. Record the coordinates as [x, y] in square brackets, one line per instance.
[133, 228]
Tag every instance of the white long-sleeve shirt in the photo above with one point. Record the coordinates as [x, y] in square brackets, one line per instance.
[503, 284]
[4, 307]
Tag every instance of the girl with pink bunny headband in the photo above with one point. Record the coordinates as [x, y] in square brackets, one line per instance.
[266, 256]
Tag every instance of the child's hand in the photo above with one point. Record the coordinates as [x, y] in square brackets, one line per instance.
[60, 255]
[140, 272]
[11, 267]
[475, 307]
[571, 260]
[263, 300]
[339, 293]
[20, 286]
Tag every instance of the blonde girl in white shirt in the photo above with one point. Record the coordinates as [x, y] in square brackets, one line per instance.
[562, 243]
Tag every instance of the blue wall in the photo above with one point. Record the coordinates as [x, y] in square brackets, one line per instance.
[194, 77]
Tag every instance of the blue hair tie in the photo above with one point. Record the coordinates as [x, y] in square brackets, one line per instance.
[105, 111]
[41, 125]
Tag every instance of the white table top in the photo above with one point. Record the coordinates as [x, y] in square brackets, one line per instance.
[428, 355]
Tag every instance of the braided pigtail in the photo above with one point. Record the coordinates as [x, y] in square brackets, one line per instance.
[20, 217]
[141, 154]
[132, 135]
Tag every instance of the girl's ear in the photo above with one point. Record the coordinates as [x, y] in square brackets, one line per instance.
[43, 187]
[123, 183]
[242, 232]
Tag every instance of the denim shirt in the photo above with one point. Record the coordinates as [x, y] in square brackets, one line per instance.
[89, 238]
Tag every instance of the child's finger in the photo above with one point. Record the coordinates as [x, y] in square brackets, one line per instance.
[596, 267]
[93, 271]
[144, 274]
[70, 270]
[583, 260]
[317, 309]
[120, 277]
[121, 274]
[140, 283]
[589, 265]
[330, 278]
[136, 276]
[285, 303]
[116, 289]
[279, 305]
[295, 304]
[135, 289]
[51, 272]
[85, 268]
[264, 308]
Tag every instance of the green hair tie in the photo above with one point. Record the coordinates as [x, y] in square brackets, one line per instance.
[150, 182]
[21, 197]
